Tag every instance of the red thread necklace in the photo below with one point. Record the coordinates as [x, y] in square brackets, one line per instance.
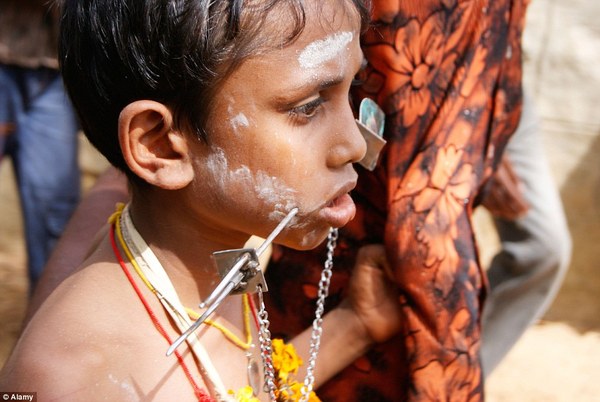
[200, 394]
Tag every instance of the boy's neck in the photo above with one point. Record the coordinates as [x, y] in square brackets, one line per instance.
[183, 246]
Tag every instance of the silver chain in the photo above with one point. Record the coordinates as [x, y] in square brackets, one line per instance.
[264, 335]
[264, 339]
[317, 330]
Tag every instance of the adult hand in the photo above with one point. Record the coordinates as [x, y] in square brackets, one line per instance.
[372, 294]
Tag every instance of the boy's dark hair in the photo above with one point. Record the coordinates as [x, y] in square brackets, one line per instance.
[114, 52]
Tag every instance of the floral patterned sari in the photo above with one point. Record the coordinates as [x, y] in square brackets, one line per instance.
[448, 75]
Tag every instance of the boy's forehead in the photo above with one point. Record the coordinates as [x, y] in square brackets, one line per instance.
[324, 53]
[330, 26]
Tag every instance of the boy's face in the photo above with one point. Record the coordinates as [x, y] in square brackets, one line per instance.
[282, 135]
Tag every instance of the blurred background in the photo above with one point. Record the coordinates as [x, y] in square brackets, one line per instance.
[558, 359]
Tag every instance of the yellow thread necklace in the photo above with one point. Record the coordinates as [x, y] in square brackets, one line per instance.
[192, 314]
[125, 233]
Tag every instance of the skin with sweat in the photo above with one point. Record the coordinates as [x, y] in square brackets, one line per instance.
[270, 188]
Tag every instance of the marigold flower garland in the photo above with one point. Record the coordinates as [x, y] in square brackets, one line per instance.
[286, 363]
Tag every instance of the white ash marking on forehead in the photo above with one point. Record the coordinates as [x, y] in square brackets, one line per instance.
[324, 50]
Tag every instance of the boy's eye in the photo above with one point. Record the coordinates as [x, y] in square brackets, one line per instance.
[307, 110]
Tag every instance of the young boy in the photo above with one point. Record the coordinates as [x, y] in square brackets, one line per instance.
[225, 116]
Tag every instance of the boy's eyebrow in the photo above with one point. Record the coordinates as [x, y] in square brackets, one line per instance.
[324, 83]
[331, 82]
[309, 87]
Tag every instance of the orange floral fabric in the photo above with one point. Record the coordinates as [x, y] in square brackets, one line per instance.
[448, 75]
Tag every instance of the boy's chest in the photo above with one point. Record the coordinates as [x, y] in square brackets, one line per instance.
[146, 370]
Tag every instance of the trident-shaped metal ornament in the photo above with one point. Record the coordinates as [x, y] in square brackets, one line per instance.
[370, 122]
[240, 272]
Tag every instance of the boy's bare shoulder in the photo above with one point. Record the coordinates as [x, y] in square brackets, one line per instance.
[77, 337]
[92, 299]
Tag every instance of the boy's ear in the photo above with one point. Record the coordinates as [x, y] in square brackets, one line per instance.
[151, 148]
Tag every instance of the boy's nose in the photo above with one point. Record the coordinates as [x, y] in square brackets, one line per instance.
[351, 147]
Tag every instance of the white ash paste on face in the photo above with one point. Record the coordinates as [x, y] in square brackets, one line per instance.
[324, 50]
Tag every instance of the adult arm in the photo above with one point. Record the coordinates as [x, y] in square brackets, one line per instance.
[370, 314]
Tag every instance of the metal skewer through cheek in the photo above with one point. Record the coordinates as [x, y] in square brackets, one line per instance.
[245, 267]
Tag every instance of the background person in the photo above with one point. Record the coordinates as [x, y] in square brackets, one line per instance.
[535, 243]
[447, 73]
[38, 127]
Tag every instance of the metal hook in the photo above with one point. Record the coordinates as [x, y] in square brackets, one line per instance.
[241, 274]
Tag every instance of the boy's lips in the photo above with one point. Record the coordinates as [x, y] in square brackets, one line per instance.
[341, 209]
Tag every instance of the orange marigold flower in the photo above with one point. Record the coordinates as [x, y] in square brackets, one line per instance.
[293, 392]
[244, 394]
[285, 359]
